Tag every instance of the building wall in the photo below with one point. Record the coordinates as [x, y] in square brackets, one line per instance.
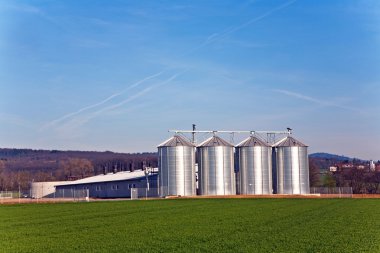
[44, 189]
[112, 189]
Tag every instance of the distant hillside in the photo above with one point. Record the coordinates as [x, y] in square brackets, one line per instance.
[20, 167]
[330, 156]
[16, 152]
[46, 160]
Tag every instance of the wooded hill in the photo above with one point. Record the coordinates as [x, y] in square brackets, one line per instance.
[22, 166]
[20, 159]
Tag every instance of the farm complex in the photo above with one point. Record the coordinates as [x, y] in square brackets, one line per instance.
[214, 167]
[193, 225]
[253, 196]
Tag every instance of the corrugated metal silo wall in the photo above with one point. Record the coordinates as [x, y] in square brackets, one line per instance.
[255, 169]
[177, 171]
[216, 170]
[292, 170]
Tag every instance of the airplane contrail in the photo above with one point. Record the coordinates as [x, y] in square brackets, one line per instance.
[222, 35]
[69, 115]
[131, 98]
[141, 93]
[210, 39]
[254, 20]
[316, 101]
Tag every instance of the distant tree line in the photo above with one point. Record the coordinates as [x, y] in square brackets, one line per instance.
[20, 167]
[362, 181]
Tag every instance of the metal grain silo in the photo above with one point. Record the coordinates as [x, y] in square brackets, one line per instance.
[216, 174]
[254, 162]
[176, 163]
[291, 170]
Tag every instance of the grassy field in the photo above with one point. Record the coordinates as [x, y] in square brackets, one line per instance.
[196, 225]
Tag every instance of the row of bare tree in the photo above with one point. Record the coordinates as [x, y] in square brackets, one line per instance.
[362, 181]
[75, 168]
[69, 169]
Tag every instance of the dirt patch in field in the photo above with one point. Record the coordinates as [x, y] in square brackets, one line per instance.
[284, 196]
[36, 201]
[366, 196]
[269, 196]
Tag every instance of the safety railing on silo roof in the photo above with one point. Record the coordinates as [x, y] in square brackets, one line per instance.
[271, 137]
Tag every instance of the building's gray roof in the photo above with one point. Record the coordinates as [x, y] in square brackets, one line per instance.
[252, 141]
[215, 141]
[289, 142]
[175, 141]
[119, 176]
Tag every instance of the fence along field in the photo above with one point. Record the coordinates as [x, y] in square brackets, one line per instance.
[193, 225]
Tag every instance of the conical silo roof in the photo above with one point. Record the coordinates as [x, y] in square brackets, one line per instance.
[252, 141]
[289, 142]
[215, 141]
[175, 141]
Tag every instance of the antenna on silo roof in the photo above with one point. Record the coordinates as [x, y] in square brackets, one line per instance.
[193, 133]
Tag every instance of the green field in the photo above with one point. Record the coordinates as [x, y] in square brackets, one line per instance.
[197, 225]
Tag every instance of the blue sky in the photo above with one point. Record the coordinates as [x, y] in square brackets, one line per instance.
[116, 75]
